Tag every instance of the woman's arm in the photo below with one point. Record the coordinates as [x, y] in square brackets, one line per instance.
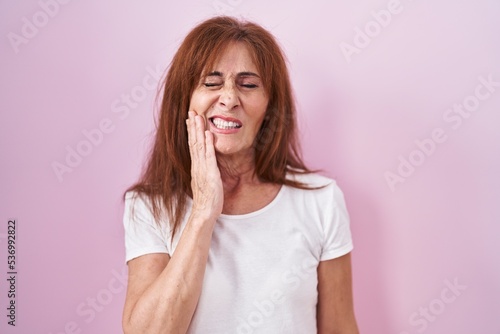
[163, 291]
[335, 311]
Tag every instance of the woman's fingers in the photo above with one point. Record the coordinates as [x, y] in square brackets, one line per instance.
[206, 183]
[195, 141]
[191, 128]
[201, 143]
[200, 133]
[210, 148]
[196, 130]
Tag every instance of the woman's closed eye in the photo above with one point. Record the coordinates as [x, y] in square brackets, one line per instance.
[217, 84]
[247, 81]
[212, 84]
[249, 85]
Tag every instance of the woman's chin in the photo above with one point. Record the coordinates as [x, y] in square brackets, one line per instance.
[225, 150]
[229, 149]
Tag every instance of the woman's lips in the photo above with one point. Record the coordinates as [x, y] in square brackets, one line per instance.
[224, 125]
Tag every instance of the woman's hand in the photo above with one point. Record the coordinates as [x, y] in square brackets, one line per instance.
[206, 182]
[163, 290]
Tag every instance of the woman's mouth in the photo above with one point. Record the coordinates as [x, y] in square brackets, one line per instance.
[225, 124]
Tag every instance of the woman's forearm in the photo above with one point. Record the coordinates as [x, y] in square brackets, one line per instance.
[168, 304]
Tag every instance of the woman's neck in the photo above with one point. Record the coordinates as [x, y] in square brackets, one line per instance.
[237, 171]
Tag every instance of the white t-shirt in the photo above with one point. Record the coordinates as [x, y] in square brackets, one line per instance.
[261, 273]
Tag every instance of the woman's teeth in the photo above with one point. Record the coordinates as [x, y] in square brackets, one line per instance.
[221, 124]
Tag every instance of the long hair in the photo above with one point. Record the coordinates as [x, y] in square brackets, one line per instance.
[166, 178]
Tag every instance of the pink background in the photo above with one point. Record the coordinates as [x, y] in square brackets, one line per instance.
[357, 115]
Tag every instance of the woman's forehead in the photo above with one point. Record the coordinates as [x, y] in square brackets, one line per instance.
[236, 59]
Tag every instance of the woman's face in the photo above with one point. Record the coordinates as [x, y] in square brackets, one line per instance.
[233, 101]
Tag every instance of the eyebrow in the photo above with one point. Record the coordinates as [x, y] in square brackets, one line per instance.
[240, 74]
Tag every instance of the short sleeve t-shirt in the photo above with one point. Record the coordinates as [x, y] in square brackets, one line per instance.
[261, 272]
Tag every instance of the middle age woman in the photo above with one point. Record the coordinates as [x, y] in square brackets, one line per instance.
[228, 231]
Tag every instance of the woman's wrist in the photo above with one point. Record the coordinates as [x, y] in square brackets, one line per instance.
[202, 217]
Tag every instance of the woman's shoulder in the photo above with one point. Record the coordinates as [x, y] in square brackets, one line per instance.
[310, 180]
[136, 198]
[140, 202]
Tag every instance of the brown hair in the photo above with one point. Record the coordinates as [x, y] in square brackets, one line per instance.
[166, 179]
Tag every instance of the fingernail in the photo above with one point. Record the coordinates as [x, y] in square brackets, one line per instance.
[190, 114]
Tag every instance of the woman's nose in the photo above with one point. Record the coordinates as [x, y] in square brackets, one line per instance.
[229, 98]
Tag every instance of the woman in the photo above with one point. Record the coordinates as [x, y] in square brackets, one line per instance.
[227, 231]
